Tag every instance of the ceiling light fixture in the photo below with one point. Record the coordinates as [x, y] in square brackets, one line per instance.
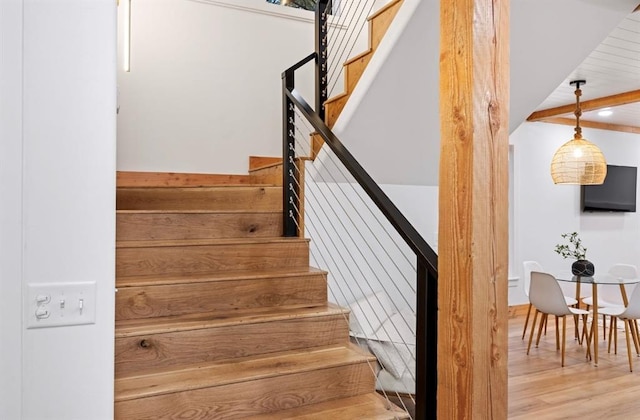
[126, 50]
[578, 161]
[605, 112]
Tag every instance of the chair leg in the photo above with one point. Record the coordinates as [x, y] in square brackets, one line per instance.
[610, 333]
[558, 334]
[526, 321]
[533, 328]
[634, 335]
[615, 336]
[604, 327]
[586, 336]
[543, 325]
[564, 336]
[576, 322]
[634, 332]
[627, 324]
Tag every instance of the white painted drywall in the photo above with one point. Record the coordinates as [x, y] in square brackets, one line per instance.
[392, 118]
[58, 129]
[544, 211]
[204, 91]
[10, 208]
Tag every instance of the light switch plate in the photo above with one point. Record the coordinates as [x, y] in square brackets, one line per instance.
[57, 304]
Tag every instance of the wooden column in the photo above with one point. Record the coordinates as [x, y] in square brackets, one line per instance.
[473, 232]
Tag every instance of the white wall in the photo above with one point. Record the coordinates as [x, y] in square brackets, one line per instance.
[392, 118]
[58, 130]
[544, 210]
[10, 208]
[204, 91]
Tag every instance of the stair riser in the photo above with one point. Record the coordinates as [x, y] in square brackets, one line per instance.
[224, 296]
[354, 71]
[214, 198]
[167, 226]
[189, 260]
[251, 398]
[183, 348]
[270, 175]
[333, 109]
[379, 24]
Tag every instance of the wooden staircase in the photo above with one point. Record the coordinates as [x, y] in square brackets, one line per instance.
[378, 24]
[219, 317]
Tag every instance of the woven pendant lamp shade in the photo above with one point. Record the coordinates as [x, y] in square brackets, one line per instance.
[578, 161]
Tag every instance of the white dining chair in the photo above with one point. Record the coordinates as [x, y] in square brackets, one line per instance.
[546, 296]
[530, 266]
[609, 295]
[629, 315]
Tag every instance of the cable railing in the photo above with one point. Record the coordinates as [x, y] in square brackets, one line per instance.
[379, 265]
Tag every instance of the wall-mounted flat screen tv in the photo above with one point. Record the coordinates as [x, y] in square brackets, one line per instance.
[617, 193]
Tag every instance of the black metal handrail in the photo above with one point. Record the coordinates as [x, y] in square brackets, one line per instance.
[427, 259]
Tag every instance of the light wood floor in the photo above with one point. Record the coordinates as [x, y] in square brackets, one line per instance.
[540, 389]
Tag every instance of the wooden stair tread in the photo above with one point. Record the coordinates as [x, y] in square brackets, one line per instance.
[153, 280]
[202, 188]
[238, 371]
[262, 162]
[358, 57]
[146, 326]
[384, 8]
[197, 211]
[176, 179]
[361, 407]
[206, 242]
[336, 98]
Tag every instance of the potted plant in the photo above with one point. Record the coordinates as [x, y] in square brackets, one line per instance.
[575, 250]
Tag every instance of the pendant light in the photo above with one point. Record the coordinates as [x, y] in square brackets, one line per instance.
[578, 161]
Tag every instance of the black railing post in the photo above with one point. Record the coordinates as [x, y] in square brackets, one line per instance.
[290, 228]
[426, 343]
[323, 9]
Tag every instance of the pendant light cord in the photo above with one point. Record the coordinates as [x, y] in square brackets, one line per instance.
[578, 111]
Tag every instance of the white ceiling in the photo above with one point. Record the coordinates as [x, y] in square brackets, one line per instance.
[612, 68]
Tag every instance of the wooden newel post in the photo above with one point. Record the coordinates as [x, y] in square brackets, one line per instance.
[473, 231]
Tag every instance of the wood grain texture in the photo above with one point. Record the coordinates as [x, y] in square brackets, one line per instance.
[362, 407]
[260, 162]
[472, 263]
[316, 144]
[145, 225]
[540, 389]
[220, 296]
[380, 21]
[238, 371]
[173, 179]
[269, 175]
[218, 276]
[251, 398]
[333, 107]
[354, 69]
[592, 124]
[176, 258]
[593, 104]
[148, 353]
[206, 198]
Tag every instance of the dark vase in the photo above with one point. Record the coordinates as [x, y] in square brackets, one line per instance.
[583, 268]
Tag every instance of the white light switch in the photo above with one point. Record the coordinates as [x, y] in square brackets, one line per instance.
[55, 304]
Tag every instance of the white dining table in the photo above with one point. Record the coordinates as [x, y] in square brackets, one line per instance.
[598, 279]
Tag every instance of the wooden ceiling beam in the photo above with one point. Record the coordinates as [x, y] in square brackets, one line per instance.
[592, 124]
[606, 101]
